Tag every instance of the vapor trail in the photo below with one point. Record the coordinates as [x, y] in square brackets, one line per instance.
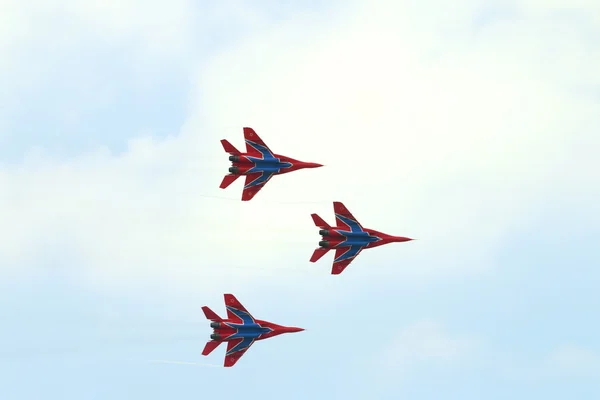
[184, 363]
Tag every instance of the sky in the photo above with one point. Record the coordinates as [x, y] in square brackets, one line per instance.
[472, 127]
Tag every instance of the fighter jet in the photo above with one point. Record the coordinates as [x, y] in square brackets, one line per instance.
[258, 164]
[240, 330]
[348, 238]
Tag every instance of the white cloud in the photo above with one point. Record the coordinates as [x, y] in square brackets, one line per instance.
[571, 360]
[423, 133]
[150, 23]
[590, 8]
[74, 51]
[425, 344]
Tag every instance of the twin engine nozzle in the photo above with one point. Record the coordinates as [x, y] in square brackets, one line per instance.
[324, 243]
[215, 325]
[234, 170]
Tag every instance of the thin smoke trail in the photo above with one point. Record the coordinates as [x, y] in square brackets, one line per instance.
[183, 363]
[265, 201]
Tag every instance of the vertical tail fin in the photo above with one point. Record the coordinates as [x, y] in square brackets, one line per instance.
[228, 180]
[229, 148]
[319, 222]
[210, 346]
[211, 315]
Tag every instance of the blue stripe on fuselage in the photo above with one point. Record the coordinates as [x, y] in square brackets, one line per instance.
[361, 234]
[270, 166]
[357, 242]
[253, 327]
[266, 165]
[356, 238]
[266, 169]
[247, 331]
[267, 159]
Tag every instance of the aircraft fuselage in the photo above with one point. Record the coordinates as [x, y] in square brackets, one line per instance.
[245, 164]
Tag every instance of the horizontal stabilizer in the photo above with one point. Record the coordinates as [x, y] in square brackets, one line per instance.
[229, 148]
[318, 253]
[211, 315]
[210, 346]
[319, 222]
[228, 180]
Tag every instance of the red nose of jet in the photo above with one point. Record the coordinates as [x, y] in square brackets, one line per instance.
[290, 329]
[310, 165]
[401, 239]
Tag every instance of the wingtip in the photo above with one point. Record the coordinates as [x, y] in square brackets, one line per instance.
[246, 196]
[228, 298]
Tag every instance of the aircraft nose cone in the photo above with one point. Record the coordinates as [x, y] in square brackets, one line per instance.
[311, 165]
[293, 329]
[403, 239]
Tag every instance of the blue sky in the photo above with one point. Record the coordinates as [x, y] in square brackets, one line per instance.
[469, 127]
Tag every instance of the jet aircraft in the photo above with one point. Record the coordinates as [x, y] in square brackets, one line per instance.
[348, 238]
[240, 330]
[258, 164]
